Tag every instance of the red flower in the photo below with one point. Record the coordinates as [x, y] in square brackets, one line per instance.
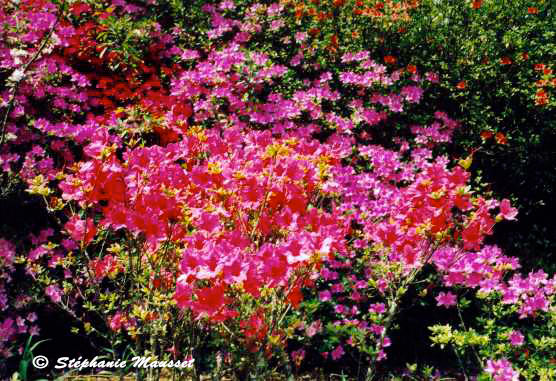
[314, 31]
[412, 69]
[486, 134]
[390, 59]
[461, 85]
[525, 56]
[501, 138]
[334, 42]
[211, 300]
[295, 297]
[476, 4]
[78, 8]
[541, 98]
[472, 236]
[539, 66]
[532, 10]
[505, 61]
[255, 328]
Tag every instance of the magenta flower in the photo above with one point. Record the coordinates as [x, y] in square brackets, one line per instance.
[54, 293]
[337, 353]
[516, 338]
[377, 308]
[7, 330]
[298, 356]
[506, 210]
[325, 296]
[501, 370]
[117, 321]
[446, 299]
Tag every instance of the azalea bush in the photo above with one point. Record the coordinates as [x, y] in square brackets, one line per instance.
[211, 184]
[496, 80]
[497, 332]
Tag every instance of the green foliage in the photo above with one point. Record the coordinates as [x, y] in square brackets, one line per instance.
[27, 358]
[487, 336]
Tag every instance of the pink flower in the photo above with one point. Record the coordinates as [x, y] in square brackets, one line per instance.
[314, 328]
[506, 210]
[34, 330]
[54, 293]
[189, 54]
[337, 353]
[377, 308]
[377, 329]
[298, 356]
[81, 230]
[432, 77]
[446, 299]
[340, 308]
[325, 296]
[516, 338]
[7, 252]
[300, 37]
[117, 321]
[501, 370]
[227, 5]
[21, 323]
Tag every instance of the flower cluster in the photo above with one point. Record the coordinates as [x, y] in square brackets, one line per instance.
[547, 81]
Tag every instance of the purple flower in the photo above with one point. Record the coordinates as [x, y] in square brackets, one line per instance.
[7, 330]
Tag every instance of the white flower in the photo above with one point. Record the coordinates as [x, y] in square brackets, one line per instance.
[17, 75]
